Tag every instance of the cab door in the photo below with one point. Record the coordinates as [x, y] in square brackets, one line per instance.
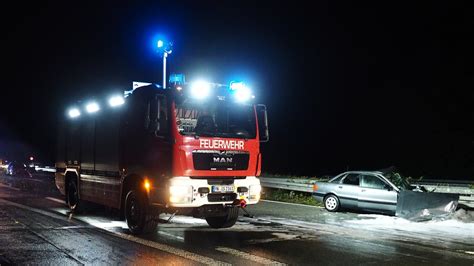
[376, 194]
[159, 138]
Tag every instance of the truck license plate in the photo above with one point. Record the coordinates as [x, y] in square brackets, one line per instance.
[222, 189]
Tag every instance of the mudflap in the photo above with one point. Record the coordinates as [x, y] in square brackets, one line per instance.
[422, 206]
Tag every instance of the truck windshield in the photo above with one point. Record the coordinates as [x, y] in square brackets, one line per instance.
[216, 119]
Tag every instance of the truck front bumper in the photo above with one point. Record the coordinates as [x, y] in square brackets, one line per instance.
[186, 192]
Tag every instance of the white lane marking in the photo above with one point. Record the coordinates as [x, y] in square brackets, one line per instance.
[52, 215]
[14, 188]
[175, 251]
[72, 227]
[249, 256]
[162, 247]
[171, 235]
[56, 200]
[289, 203]
[36, 180]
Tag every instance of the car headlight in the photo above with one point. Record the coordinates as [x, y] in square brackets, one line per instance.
[254, 192]
[181, 194]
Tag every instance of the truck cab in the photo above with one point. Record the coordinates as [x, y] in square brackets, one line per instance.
[191, 149]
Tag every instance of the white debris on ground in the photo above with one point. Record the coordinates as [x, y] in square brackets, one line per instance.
[460, 225]
[180, 219]
[464, 216]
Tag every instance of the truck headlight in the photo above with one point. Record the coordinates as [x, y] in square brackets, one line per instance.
[254, 192]
[181, 194]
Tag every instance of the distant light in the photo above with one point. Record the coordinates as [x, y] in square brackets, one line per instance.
[74, 112]
[159, 44]
[31, 158]
[200, 89]
[92, 107]
[116, 101]
[179, 88]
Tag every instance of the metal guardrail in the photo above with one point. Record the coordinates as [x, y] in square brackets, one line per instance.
[301, 185]
[306, 185]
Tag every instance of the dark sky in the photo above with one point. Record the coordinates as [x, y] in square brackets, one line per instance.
[348, 85]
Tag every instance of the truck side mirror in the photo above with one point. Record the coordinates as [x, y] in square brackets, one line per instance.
[155, 125]
[152, 117]
[147, 116]
[262, 123]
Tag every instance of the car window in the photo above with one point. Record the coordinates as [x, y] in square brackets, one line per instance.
[337, 179]
[370, 181]
[351, 179]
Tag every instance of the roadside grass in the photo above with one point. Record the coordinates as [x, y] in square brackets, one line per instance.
[289, 196]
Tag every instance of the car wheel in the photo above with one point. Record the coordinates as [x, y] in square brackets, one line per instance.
[331, 203]
[226, 221]
[138, 220]
[73, 197]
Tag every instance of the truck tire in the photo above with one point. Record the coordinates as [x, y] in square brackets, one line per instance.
[73, 201]
[226, 221]
[331, 203]
[137, 215]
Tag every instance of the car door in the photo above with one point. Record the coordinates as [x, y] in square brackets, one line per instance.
[376, 194]
[348, 190]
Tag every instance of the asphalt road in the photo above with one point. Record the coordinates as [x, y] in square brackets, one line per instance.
[36, 228]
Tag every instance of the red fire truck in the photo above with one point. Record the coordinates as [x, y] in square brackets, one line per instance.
[191, 149]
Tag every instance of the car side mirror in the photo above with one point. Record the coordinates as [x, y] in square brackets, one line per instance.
[388, 187]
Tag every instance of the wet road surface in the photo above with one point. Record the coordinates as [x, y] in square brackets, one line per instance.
[36, 228]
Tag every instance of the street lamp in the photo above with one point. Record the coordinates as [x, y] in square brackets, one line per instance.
[166, 48]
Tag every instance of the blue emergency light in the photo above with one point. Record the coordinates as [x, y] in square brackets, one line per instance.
[159, 44]
[177, 79]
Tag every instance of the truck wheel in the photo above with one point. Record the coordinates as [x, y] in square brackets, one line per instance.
[136, 213]
[331, 203]
[73, 197]
[228, 220]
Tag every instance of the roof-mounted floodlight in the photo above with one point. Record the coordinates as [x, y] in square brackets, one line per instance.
[242, 93]
[200, 89]
[116, 101]
[74, 112]
[92, 107]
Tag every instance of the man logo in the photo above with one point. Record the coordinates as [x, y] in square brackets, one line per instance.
[222, 160]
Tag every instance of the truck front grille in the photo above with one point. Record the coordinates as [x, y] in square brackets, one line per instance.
[220, 160]
[218, 197]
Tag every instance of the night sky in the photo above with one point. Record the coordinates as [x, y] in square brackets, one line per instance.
[348, 86]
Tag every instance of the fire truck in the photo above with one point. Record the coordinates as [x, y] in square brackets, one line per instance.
[189, 149]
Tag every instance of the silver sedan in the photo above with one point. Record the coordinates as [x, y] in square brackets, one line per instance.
[358, 190]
